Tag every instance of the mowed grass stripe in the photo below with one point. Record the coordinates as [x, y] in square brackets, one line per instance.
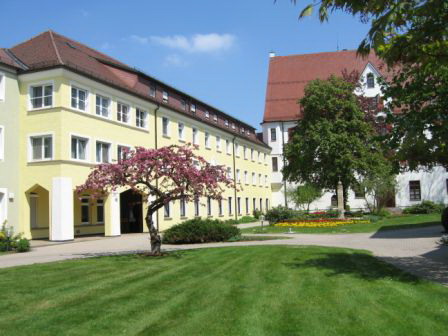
[270, 290]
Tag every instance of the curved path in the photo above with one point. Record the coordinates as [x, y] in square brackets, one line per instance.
[414, 250]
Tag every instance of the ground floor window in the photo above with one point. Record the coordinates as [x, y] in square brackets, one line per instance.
[261, 204]
[254, 204]
[230, 205]
[267, 204]
[183, 209]
[166, 208]
[238, 204]
[100, 211]
[209, 206]
[85, 215]
[247, 205]
[220, 206]
[414, 191]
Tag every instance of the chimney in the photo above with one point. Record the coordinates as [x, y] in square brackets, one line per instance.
[271, 54]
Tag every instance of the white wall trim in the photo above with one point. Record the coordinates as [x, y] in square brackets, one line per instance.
[3, 206]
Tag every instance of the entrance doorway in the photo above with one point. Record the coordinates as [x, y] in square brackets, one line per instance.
[131, 210]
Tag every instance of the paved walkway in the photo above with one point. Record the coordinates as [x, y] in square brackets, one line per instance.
[414, 250]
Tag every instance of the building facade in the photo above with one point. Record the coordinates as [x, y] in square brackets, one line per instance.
[287, 78]
[67, 107]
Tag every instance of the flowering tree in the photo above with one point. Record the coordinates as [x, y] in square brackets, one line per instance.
[160, 176]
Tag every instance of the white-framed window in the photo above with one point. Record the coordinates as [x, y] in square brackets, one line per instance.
[85, 210]
[259, 157]
[41, 96]
[220, 212]
[100, 211]
[229, 172]
[246, 177]
[237, 150]
[254, 182]
[152, 91]
[2, 86]
[193, 108]
[273, 132]
[123, 112]
[226, 122]
[228, 146]
[274, 164]
[2, 143]
[102, 152]
[245, 152]
[238, 177]
[229, 201]
[183, 104]
[215, 118]
[195, 136]
[122, 152]
[165, 126]
[79, 148]
[218, 143]
[165, 96]
[207, 139]
[41, 147]
[79, 98]
[166, 210]
[207, 114]
[266, 183]
[181, 131]
[370, 80]
[238, 205]
[252, 154]
[141, 118]
[247, 205]
[260, 181]
[209, 206]
[196, 207]
[183, 207]
[233, 125]
[102, 106]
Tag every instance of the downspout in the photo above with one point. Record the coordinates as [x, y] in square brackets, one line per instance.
[284, 162]
[156, 147]
[234, 178]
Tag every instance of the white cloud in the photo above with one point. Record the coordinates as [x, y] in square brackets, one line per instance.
[198, 43]
[175, 60]
[139, 39]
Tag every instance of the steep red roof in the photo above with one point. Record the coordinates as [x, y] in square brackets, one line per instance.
[8, 59]
[288, 76]
[50, 49]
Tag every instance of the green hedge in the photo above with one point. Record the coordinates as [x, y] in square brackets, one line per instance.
[200, 231]
[425, 207]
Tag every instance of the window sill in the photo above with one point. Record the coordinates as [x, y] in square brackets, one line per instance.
[40, 161]
[183, 217]
[182, 140]
[167, 218]
[166, 136]
[40, 108]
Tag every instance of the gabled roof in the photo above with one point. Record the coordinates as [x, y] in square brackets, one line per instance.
[7, 58]
[50, 49]
[288, 76]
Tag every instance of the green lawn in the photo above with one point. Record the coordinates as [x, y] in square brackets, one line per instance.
[268, 290]
[397, 222]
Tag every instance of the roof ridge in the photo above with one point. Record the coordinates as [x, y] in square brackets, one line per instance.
[55, 47]
[316, 53]
[32, 38]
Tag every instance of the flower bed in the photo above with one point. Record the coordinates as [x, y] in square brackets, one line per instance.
[327, 222]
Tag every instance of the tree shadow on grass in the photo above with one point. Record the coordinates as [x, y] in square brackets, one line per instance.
[359, 265]
[422, 230]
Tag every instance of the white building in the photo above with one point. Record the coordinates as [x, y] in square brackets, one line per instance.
[287, 78]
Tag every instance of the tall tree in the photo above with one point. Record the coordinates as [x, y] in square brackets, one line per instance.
[161, 176]
[332, 142]
[411, 36]
[304, 195]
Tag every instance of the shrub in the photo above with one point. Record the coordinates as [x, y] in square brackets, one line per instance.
[247, 219]
[445, 219]
[425, 207]
[382, 213]
[256, 213]
[200, 231]
[280, 213]
[22, 245]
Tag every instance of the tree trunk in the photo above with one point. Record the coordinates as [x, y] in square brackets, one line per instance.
[340, 195]
[155, 239]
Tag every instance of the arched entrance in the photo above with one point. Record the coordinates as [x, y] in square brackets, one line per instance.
[131, 212]
[39, 206]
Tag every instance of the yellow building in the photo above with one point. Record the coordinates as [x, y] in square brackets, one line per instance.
[65, 107]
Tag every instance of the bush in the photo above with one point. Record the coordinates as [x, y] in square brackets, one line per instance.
[256, 213]
[200, 231]
[280, 213]
[425, 207]
[382, 213]
[23, 245]
[445, 219]
[242, 220]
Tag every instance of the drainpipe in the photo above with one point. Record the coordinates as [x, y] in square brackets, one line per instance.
[234, 178]
[156, 147]
[284, 161]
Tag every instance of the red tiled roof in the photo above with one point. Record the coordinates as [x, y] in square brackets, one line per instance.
[50, 49]
[8, 59]
[288, 76]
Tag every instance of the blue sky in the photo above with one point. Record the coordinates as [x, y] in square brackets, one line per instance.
[216, 51]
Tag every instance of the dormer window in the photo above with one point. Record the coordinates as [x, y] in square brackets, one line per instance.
[183, 104]
[193, 108]
[152, 91]
[207, 114]
[233, 126]
[370, 81]
[226, 123]
[165, 97]
[215, 118]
